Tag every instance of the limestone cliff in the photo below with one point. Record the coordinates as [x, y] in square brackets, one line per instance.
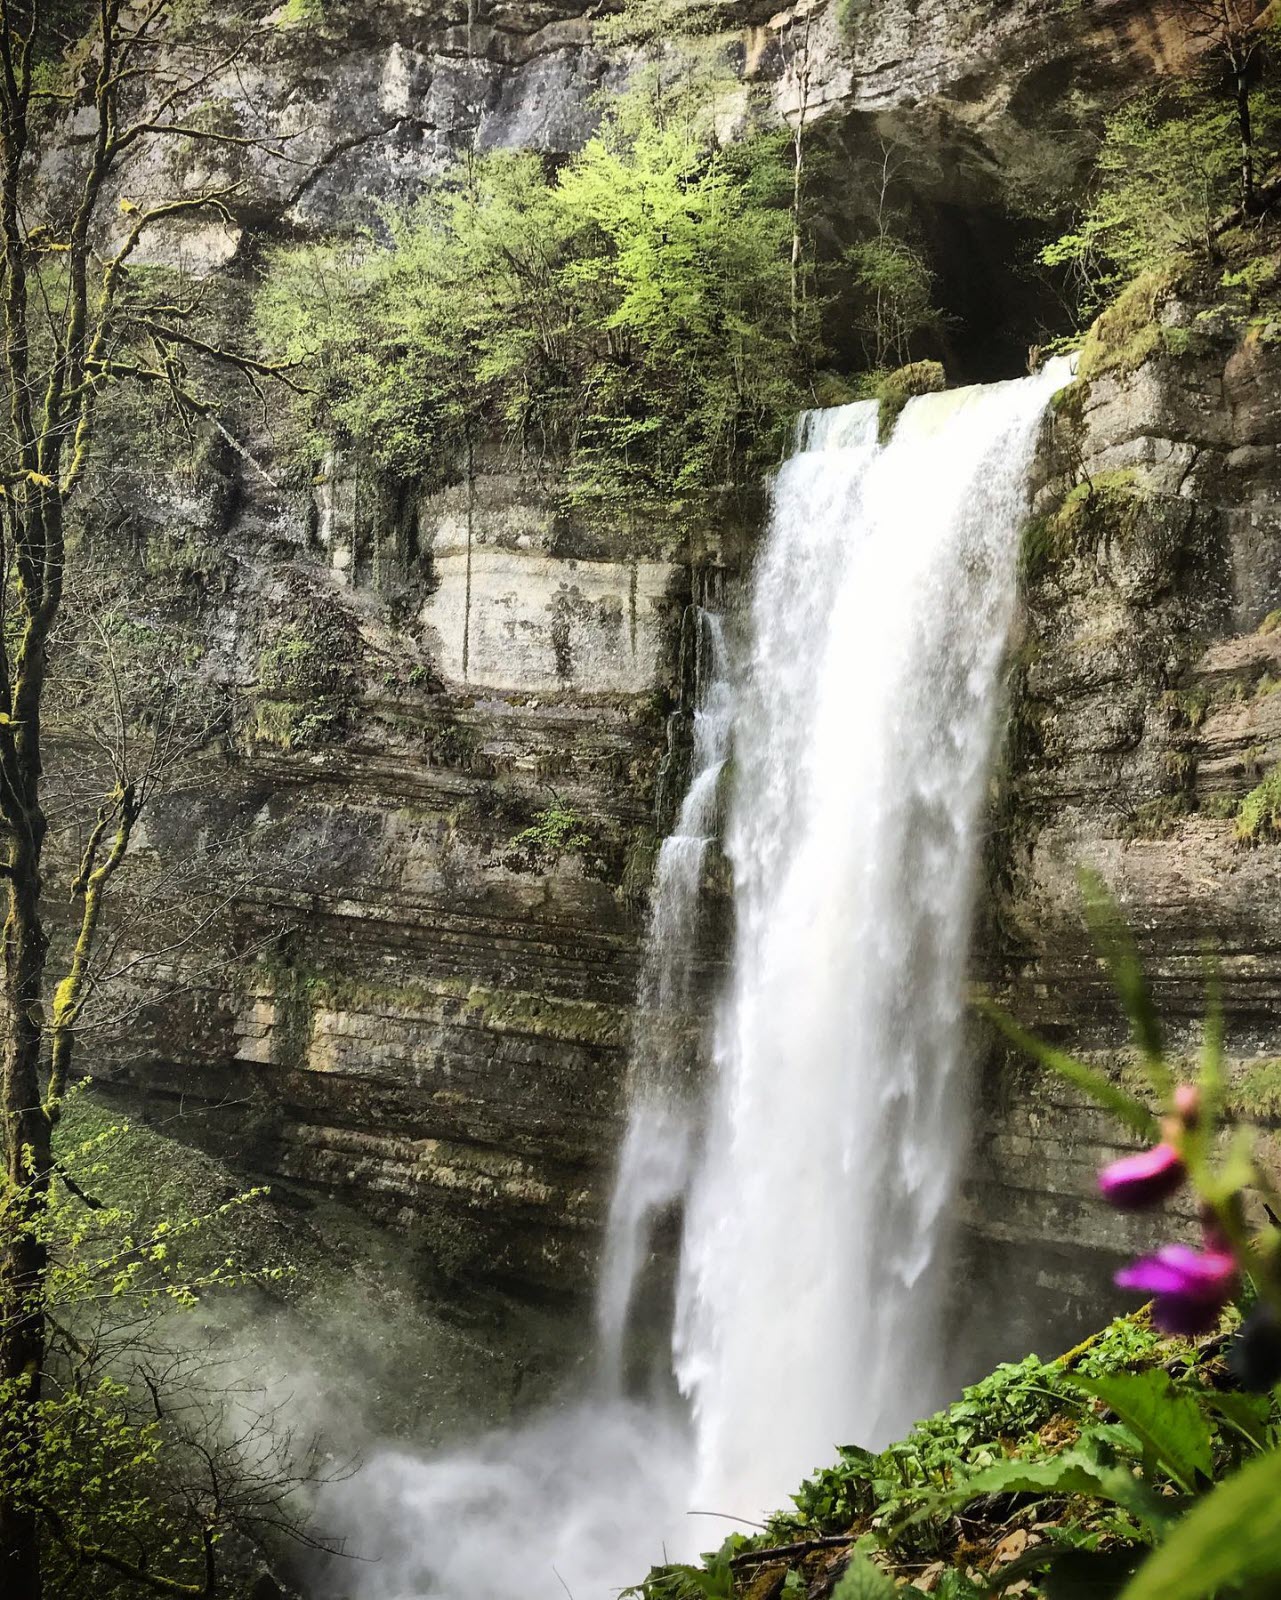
[434, 1025]
[1141, 718]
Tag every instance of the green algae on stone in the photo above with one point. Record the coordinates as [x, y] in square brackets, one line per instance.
[1128, 332]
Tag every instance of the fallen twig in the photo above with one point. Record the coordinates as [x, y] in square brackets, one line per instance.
[803, 1547]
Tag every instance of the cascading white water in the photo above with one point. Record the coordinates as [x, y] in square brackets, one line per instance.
[819, 1163]
[654, 1161]
[809, 1295]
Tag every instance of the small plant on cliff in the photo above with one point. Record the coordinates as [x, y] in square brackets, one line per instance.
[1258, 816]
[554, 832]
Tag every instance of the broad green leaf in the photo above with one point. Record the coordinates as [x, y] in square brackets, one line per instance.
[1074, 1472]
[1233, 1537]
[864, 1580]
[1089, 1080]
[1166, 1418]
[1116, 945]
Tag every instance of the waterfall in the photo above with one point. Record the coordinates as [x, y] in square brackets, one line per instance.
[817, 1163]
[815, 1242]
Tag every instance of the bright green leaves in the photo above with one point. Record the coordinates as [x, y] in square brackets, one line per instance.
[1164, 172]
[555, 831]
[630, 315]
[864, 1580]
[1083, 1470]
[1089, 1492]
[895, 297]
[1166, 1419]
[1231, 1539]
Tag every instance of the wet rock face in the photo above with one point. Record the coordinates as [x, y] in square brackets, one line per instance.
[1141, 716]
[434, 1015]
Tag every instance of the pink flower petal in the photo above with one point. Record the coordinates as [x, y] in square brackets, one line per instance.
[1141, 1180]
[1191, 1286]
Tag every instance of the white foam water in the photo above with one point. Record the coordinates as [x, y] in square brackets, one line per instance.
[818, 1165]
[816, 1237]
[654, 1163]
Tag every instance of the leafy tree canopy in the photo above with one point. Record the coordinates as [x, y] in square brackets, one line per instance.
[629, 313]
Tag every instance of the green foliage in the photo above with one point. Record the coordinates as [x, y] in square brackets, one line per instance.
[1127, 332]
[1164, 173]
[1095, 514]
[1167, 1419]
[654, 22]
[630, 312]
[1232, 1538]
[1257, 1093]
[849, 14]
[1032, 1438]
[1258, 817]
[893, 299]
[134, 1405]
[863, 1580]
[1168, 173]
[555, 830]
[1086, 1470]
[305, 690]
[295, 13]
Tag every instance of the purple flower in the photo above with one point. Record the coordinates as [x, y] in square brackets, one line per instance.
[1142, 1180]
[1191, 1286]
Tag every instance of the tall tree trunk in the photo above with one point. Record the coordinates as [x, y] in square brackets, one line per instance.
[28, 1165]
[798, 174]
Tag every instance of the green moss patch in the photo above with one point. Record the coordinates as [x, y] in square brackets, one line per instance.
[1124, 336]
[1259, 814]
[1096, 512]
[896, 388]
[307, 677]
[1257, 1092]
